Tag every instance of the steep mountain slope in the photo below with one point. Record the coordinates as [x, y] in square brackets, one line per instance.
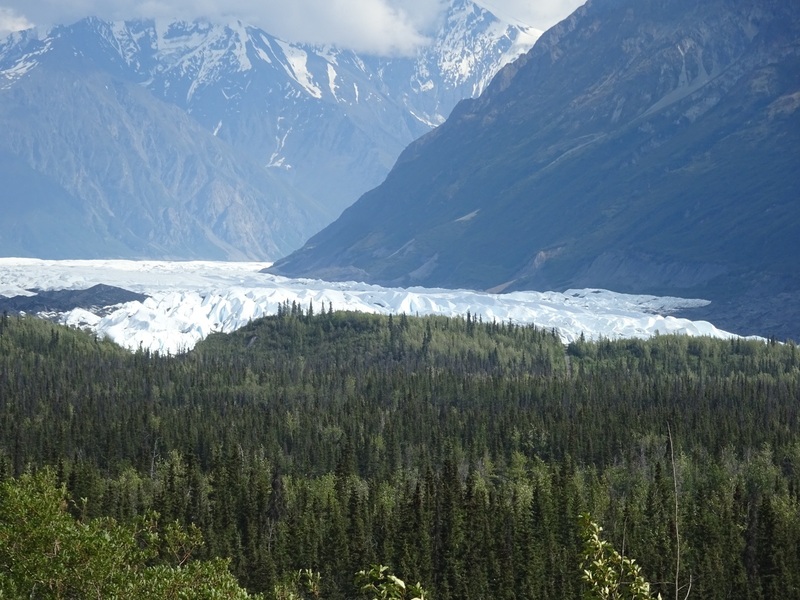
[184, 140]
[643, 146]
[104, 168]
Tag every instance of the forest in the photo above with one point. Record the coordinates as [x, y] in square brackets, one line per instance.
[461, 453]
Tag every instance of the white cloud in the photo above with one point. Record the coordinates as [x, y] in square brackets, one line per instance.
[11, 21]
[541, 14]
[381, 26]
[377, 26]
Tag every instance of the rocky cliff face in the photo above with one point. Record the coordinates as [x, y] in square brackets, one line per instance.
[643, 146]
[200, 140]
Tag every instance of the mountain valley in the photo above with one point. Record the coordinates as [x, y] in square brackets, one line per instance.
[171, 139]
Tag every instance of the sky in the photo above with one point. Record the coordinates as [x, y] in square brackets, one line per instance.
[370, 26]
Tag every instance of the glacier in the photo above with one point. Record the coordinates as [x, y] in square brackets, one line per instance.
[188, 300]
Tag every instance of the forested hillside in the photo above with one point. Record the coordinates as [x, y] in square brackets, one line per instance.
[457, 451]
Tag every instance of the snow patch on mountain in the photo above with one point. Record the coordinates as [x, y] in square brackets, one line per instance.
[189, 300]
[25, 61]
[240, 38]
[18, 70]
[263, 55]
[297, 61]
[201, 51]
[332, 86]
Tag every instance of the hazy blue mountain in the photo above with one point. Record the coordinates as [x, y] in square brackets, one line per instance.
[202, 140]
[648, 146]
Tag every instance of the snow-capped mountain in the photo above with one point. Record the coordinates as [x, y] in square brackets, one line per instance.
[242, 143]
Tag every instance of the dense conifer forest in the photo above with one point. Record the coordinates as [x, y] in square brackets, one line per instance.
[459, 452]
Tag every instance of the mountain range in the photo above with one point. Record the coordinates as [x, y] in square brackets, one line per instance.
[181, 140]
[644, 146]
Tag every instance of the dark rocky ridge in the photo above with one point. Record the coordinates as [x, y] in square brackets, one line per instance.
[57, 301]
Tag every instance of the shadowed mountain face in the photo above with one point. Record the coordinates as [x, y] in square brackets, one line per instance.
[642, 146]
[198, 140]
[96, 297]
